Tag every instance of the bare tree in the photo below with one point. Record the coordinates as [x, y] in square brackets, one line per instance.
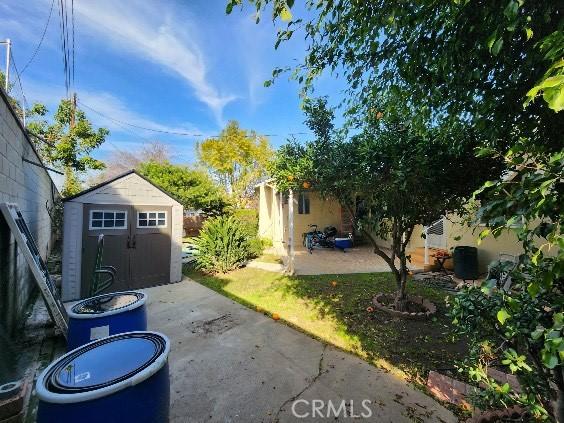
[121, 161]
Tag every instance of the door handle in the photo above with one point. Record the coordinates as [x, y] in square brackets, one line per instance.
[134, 241]
[128, 241]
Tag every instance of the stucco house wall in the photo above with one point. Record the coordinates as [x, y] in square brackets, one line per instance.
[273, 216]
[488, 250]
[323, 212]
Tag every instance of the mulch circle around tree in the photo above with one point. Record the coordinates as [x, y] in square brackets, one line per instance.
[418, 308]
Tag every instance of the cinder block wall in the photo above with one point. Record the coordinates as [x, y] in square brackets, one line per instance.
[33, 190]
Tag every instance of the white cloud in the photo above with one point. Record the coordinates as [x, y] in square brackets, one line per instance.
[109, 107]
[145, 29]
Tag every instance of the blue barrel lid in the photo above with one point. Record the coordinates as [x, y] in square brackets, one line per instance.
[107, 304]
[98, 367]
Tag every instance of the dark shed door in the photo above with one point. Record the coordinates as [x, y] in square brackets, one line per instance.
[114, 222]
[137, 242]
[150, 255]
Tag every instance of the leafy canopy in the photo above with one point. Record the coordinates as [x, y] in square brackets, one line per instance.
[64, 144]
[193, 188]
[463, 60]
[237, 158]
[389, 176]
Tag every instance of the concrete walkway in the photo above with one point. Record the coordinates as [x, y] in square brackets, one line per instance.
[231, 364]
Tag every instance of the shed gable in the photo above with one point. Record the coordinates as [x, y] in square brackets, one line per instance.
[129, 189]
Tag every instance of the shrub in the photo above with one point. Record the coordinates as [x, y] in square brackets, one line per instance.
[249, 220]
[224, 245]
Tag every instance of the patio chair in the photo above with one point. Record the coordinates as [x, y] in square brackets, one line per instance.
[99, 282]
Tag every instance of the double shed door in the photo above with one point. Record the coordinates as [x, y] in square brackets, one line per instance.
[137, 241]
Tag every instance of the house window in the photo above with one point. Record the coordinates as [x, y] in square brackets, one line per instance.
[155, 219]
[108, 219]
[303, 203]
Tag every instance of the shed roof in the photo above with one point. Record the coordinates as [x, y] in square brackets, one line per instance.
[116, 178]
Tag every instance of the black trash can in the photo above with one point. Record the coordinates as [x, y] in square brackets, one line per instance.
[466, 262]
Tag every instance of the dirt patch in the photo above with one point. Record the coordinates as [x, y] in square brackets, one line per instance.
[214, 326]
[418, 308]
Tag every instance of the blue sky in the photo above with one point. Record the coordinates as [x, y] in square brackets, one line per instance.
[171, 65]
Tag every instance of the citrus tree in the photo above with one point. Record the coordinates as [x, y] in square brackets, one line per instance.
[389, 177]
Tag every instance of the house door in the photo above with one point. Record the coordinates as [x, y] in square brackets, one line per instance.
[136, 242]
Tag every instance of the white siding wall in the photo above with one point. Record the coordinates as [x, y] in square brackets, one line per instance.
[176, 244]
[72, 250]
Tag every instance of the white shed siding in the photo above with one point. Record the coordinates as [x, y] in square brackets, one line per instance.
[72, 251]
[176, 244]
[131, 189]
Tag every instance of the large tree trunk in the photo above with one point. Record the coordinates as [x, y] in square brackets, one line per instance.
[401, 296]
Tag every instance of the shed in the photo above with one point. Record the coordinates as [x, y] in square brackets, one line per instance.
[142, 228]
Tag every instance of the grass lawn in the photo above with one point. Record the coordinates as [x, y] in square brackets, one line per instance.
[337, 315]
[270, 258]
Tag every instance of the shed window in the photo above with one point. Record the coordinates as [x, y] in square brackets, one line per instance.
[303, 203]
[155, 219]
[108, 219]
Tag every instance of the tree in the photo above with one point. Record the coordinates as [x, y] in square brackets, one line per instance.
[389, 177]
[474, 62]
[193, 188]
[71, 184]
[522, 326]
[69, 141]
[238, 159]
[120, 161]
[469, 61]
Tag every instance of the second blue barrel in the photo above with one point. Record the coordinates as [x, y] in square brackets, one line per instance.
[104, 315]
[119, 379]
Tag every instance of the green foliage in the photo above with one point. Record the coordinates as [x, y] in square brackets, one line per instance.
[69, 140]
[249, 221]
[526, 323]
[389, 176]
[72, 184]
[455, 59]
[237, 158]
[552, 83]
[224, 244]
[192, 188]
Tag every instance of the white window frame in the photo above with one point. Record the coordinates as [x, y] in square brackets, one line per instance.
[91, 218]
[157, 219]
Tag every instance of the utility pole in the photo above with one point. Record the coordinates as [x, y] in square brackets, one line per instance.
[73, 111]
[8, 43]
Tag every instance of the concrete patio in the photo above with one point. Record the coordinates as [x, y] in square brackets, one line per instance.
[360, 259]
[231, 364]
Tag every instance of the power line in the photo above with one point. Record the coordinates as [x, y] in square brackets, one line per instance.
[163, 131]
[65, 44]
[72, 18]
[41, 40]
[21, 86]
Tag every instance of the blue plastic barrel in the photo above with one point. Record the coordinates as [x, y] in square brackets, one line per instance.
[104, 315]
[122, 378]
[343, 243]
